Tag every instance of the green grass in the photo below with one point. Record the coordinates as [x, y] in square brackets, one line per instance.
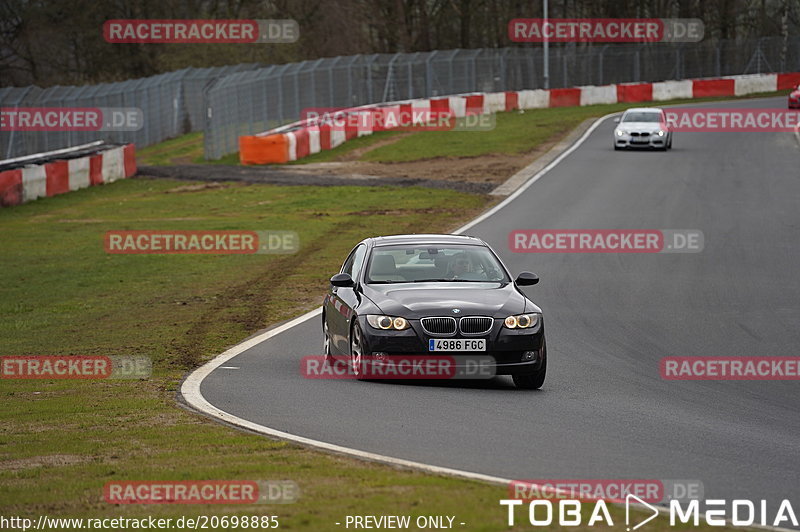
[515, 133]
[186, 148]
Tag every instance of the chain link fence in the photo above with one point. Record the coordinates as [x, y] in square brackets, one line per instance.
[171, 103]
[251, 102]
[226, 102]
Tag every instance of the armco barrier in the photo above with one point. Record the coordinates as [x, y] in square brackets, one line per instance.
[635, 92]
[672, 90]
[705, 88]
[300, 139]
[60, 175]
[788, 81]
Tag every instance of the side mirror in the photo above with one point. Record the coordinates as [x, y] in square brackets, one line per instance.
[342, 279]
[616, 119]
[527, 279]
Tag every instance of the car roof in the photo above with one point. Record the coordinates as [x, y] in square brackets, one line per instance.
[644, 110]
[424, 239]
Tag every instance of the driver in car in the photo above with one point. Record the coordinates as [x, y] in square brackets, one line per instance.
[461, 265]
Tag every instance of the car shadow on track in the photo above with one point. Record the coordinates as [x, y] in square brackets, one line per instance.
[495, 383]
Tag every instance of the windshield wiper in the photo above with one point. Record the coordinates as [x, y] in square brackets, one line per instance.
[447, 281]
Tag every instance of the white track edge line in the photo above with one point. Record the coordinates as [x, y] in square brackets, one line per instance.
[190, 388]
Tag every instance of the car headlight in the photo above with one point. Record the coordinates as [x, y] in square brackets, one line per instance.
[522, 321]
[660, 133]
[620, 133]
[387, 323]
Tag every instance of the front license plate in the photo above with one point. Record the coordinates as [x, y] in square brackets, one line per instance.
[456, 344]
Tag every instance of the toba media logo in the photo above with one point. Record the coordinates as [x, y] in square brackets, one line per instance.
[560, 502]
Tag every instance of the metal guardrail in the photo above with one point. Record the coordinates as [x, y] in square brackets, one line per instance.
[74, 152]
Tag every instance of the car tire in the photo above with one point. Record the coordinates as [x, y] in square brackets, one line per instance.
[533, 381]
[356, 351]
[616, 148]
[669, 143]
[327, 359]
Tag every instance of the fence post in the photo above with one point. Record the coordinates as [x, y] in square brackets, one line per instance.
[373, 58]
[331, 100]
[450, 65]
[429, 74]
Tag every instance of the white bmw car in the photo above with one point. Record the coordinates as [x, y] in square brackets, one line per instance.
[643, 127]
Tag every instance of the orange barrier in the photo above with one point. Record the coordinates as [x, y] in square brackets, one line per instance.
[263, 150]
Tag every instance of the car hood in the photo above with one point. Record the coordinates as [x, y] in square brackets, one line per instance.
[414, 301]
[795, 94]
[640, 126]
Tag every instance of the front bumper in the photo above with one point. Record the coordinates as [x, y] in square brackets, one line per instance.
[649, 141]
[794, 104]
[514, 351]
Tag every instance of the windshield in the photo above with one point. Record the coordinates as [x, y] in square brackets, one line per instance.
[642, 117]
[431, 263]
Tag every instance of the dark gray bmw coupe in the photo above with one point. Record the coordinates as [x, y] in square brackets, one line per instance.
[432, 295]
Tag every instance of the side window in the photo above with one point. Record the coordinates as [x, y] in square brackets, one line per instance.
[354, 262]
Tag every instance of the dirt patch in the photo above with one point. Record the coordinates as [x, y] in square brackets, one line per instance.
[492, 168]
[354, 155]
[198, 187]
[398, 212]
[52, 460]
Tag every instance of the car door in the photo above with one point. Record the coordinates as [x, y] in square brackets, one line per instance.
[342, 301]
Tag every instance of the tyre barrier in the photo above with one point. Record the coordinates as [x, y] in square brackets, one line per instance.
[48, 174]
[307, 137]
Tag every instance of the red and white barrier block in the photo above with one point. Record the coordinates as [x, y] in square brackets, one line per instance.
[300, 139]
[54, 177]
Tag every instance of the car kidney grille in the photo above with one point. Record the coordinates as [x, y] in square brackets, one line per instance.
[475, 324]
[442, 325]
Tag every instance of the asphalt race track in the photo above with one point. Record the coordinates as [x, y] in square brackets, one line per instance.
[604, 411]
